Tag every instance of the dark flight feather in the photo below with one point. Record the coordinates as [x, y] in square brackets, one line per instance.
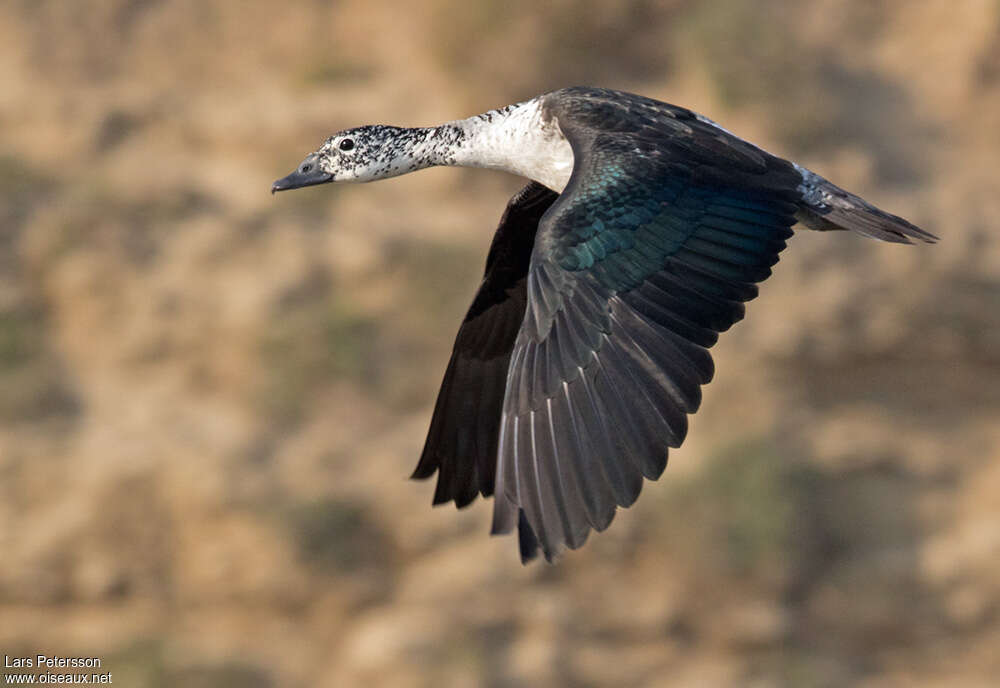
[462, 442]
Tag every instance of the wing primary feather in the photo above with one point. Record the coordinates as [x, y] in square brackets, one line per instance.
[529, 496]
[460, 476]
[527, 542]
[654, 426]
[625, 487]
[595, 493]
[576, 512]
[664, 392]
[505, 482]
[549, 490]
[639, 441]
[663, 363]
[487, 432]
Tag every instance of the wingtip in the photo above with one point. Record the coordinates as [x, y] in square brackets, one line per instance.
[504, 521]
[527, 543]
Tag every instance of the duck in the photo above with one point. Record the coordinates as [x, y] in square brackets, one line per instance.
[642, 232]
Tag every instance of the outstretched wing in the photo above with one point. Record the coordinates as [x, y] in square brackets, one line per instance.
[662, 232]
[462, 442]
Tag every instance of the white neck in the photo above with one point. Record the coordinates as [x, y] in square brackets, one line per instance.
[515, 139]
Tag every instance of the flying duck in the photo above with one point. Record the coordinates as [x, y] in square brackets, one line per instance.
[643, 231]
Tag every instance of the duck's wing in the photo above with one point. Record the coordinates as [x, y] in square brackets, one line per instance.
[662, 232]
[462, 442]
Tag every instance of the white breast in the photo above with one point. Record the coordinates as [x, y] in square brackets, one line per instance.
[519, 140]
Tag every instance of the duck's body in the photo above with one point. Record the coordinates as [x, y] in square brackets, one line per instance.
[645, 228]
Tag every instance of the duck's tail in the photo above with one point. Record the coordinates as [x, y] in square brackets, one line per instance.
[825, 206]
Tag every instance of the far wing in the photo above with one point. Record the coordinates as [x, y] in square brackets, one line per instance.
[462, 442]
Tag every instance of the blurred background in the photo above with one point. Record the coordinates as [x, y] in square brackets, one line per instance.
[210, 398]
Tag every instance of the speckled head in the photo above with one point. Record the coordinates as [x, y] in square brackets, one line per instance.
[520, 139]
[367, 153]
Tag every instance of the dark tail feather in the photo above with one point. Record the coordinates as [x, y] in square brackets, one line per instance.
[864, 219]
[527, 543]
[826, 207]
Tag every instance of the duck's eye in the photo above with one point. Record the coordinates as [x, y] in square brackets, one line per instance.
[346, 144]
[305, 168]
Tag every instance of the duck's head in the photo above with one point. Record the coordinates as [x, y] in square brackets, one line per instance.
[362, 154]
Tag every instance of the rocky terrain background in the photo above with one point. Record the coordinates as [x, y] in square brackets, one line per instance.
[210, 398]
